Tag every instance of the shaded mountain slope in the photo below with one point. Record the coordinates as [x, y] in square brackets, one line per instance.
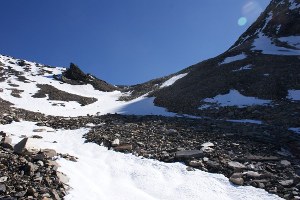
[263, 63]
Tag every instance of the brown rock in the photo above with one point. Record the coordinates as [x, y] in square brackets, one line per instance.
[124, 147]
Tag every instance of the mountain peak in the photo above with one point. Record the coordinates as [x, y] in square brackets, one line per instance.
[278, 25]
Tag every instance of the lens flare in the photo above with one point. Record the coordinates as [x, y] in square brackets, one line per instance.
[242, 21]
[251, 10]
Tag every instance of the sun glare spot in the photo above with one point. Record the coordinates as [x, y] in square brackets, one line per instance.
[242, 21]
[251, 10]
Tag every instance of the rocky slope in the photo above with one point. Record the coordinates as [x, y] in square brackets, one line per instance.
[263, 63]
[247, 98]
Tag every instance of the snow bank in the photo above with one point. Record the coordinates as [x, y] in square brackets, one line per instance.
[294, 95]
[233, 98]
[108, 175]
[172, 80]
[267, 46]
[251, 121]
[291, 40]
[293, 5]
[247, 67]
[296, 130]
[233, 58]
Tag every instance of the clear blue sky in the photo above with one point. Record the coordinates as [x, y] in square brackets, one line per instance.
[123, 41]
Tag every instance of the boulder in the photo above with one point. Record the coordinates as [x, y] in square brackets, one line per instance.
[20, 147]
[188, 154]
[253, 174]
[124, 147]
[62, 177]
[285, 163]
[236, 165]
[50, 153]
[286, 183]
[237, 179]
[195, 163]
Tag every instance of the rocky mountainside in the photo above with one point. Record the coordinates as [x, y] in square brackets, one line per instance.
[236, 114]
[264, 63]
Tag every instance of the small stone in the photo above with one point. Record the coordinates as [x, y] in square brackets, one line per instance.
[286, 183]
[39, 156]
[207, 144]
[55, 195]
[36, 137]
[205, 159]
[207, 147]
[3, 179]
[40, 163]
[52, 163]
[116, 142]
[31, 192]
[236, 181]
[39, 130]
[2, 188]
[30, 168]
[285, 163]
[237, 175]
[62, 177]
[20, 194]
[190, 169]
[50, 153]
[186, 154]
[125, 147]
[195, 163]
[236, 165]
[213, 164]
[261, 185]
[252, 174]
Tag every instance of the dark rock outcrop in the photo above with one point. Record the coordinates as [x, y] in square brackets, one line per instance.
[75, 76]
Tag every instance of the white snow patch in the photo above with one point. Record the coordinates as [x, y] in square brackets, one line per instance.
[294, 95]
[247, 67]
[251, 121]
[267, 46]
[108, 175]
[296, 130]
[172, 80]
[268, 19]
[278, 28]
[234, 58]
[291, 40]
[293, 5]
[234, 98]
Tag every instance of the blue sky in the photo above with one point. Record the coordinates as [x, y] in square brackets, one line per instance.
[123, 41]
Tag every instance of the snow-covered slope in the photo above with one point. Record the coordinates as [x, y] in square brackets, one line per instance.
[34, 74]
[103, 174]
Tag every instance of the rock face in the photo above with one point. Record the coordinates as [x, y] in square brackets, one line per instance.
[77, 77]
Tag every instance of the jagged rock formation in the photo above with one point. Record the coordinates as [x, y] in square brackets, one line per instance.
[75, 76]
